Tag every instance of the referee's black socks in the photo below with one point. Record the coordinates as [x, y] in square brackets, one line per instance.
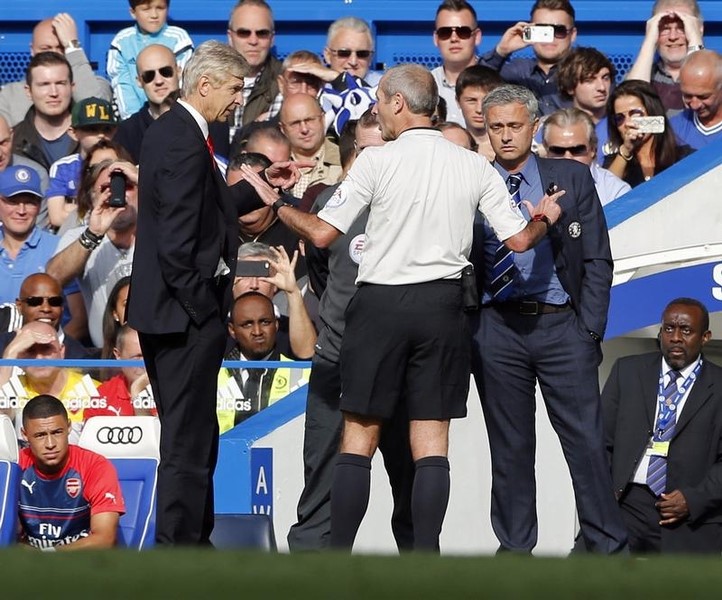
[429, 499]
[349, 498]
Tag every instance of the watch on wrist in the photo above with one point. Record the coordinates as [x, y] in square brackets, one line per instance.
[278, 204]
[73, 45]
[542, 217]
[691, 49]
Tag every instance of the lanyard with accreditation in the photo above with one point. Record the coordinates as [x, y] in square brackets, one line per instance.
[659, 446]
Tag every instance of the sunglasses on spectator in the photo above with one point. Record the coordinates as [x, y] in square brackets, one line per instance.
[463, 33]
[579, 150]
[620, 118]
[346, 53]
[261, 34]
[560, 31]
[149, 75]
[36, 301]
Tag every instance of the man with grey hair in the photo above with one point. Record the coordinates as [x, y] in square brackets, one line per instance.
[673, 31]
[700, 80]
[543, 315]
[570, 133]
[349, 49]
[180, 292]
[251, 33]
[406, 324]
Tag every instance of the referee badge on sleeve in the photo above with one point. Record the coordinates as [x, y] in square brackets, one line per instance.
[338, 198]
[575, 229]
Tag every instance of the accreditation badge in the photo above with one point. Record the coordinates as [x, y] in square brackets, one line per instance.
[658, 449]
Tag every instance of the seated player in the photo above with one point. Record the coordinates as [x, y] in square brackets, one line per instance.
[70, 498]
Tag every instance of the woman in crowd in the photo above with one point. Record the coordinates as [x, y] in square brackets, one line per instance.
[639, 156]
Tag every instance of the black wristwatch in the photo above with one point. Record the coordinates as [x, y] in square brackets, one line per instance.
[278, 204]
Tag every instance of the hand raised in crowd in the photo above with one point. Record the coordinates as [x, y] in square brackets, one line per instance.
[128, 169]
[265, 191]
[692, 28]
[513, 39]
[25, 339]
[633, 138]
[65, 28]
[547, 206]
[672, 507]
[284, 277]
[320, 71]
[102, 215]
[285, 174]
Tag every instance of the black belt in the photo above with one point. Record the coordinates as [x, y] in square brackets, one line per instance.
[530, 307]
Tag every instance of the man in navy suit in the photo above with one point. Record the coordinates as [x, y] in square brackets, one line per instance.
[543, 315]
[679, 510]
[180, 290]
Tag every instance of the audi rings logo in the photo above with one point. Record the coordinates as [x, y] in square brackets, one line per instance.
[119, 435]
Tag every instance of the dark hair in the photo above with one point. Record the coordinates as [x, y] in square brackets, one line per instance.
[110, 325]
[136, 3]
[47, 59]
[456, 6]
[563, 5]
[43, 407]
[479, 77]
[580, 64]
[440, 111]
[664, 145]
[268, 130]
[683, 301]
[347, 142]
[252, 159]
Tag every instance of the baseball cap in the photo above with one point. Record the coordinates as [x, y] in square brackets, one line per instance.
[93, 111]
[19, 180]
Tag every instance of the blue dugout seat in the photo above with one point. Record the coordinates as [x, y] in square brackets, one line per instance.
[138, 478]
[244, 532]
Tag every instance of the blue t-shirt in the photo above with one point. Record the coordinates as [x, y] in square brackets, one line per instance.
[688, 130]
[65, 177]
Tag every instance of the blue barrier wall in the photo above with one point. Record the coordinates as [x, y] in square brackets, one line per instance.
[403, 28]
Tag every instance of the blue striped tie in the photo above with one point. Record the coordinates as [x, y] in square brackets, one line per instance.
[657, 471]
[503, 271]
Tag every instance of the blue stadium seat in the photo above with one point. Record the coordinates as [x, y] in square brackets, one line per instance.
[138, 478]
[247, 532]
[9, 497]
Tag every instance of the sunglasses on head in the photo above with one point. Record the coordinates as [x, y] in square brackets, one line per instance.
[346, 53]
[579, 150]
[261, 34]
[560, 31]
[463, 33]
[149, 75]
[36, 301]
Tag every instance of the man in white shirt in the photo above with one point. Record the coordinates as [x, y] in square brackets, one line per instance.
[406, 324]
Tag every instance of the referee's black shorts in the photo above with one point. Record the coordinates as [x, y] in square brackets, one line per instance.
[409, 341]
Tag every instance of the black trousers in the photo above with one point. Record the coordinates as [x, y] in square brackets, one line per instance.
[322, 435]
[183, 372]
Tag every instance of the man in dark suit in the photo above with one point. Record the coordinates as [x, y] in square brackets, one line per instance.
[543, 315]
[663, 428]
[180, 290]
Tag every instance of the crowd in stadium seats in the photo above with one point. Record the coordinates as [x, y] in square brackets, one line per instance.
[69, 136]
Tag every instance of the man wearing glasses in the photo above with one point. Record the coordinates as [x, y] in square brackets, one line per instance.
[539, 73]
[570, 133]
[302, 121]
[24, 248]
[349, 49]
[456, 35]
[41, 299]
[250, 33]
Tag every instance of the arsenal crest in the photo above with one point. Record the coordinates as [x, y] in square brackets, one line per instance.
[72, 486]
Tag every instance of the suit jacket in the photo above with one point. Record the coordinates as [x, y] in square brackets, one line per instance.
[694, 464]
[187, 221]
[580, 241]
